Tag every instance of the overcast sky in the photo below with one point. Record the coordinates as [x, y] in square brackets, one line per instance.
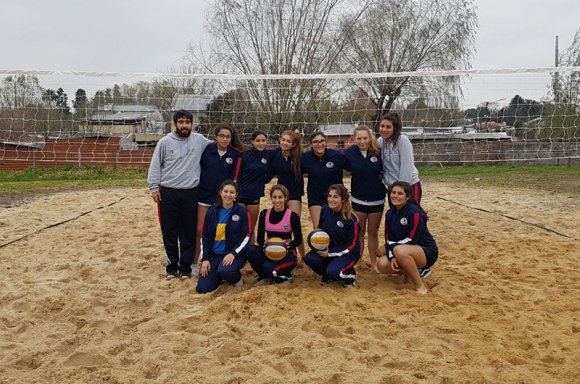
[151, 35]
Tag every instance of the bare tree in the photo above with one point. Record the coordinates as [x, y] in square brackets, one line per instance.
[280, 37]
[20, 91]
[569, 83]
[409, 35]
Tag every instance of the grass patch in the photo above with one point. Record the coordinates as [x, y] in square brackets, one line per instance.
[70, 177]
[552, 178]
[542, 177]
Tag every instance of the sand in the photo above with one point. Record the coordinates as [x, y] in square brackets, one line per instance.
[86, 301]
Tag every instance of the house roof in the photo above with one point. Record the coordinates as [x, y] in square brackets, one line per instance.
[192, 103]
[344, 129]
[127, 108]
[128, 114]
[20, 138]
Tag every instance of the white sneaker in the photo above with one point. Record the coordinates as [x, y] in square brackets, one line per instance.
[288, 280]
[264, 281]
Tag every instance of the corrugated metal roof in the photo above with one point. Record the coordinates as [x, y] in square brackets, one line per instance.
[192, 103]
[337, 129]
[129, 113]
[118, 116]
[21, 138]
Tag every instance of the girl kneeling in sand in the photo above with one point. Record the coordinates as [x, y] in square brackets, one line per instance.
[409, 245]
[278, 221]
[225, 239]
[337, 219]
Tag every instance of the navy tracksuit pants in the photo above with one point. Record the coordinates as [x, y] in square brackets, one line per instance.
[279, 271]
[333, 268]
[218, 273]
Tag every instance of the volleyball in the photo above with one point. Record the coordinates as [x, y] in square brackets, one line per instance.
[275, 248]
[318, 240]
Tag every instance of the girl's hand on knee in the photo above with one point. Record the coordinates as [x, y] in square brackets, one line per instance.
[228, 260]
[204, 270]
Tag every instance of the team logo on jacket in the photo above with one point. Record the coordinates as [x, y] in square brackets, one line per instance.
[340, 224]
[229, 160]
[404, 221]
[235, 218]
[285, 227]
[374, 159]
[330, 164]
[264, 161]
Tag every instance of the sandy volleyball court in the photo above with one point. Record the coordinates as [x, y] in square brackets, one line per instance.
[86, 301]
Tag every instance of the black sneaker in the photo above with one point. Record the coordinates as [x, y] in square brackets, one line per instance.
[349, 284]
[170, 276]
[324, 281]
[425, 273]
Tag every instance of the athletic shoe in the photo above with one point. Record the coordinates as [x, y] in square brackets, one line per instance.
[287, 280]
[349, 284]
[170, 276]
[264, 281]
[186, 276]
[425, 273]
[239, 283]
[324, 281]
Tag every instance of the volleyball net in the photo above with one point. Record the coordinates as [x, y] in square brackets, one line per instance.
[52, 118]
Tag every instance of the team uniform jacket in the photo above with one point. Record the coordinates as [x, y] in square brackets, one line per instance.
[344, 234]
[367, 187]
[238, 231]
[255, 173]
[282, 167]
[406, 226]
[216, 169]
[322, 173]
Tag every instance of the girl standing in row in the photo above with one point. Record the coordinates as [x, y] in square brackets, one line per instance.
[324, 167]
[368, 191]
[254, 175]
[286, 165]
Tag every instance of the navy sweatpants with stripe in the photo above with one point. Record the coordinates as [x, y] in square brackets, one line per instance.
[178, 219]
[333, 268]
[280, 270]
[218, 273]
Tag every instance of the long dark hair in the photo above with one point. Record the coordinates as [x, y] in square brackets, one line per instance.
[340, 189]
[256, 134]
[224, 184]
[408, 188]
[295, 152]
[394, 118]
[235, 142]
